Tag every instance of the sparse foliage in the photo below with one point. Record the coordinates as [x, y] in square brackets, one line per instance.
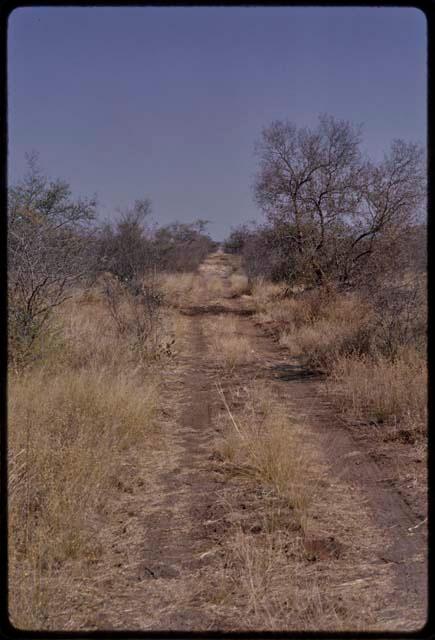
[126, 248]
[49, 250]
[131, 288]
[336, 208]
[181, 246]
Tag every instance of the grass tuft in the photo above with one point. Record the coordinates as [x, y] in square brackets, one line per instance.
[264, 440]
[383, 391]
[231, 348]
[239, 285]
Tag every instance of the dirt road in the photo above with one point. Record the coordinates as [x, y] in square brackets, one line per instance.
[203, 547]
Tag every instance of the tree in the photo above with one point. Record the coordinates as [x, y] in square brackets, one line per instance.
[182, 246]
[126, 248]
[335, 205]
[236, 240]
[49, 250]
[391, 199]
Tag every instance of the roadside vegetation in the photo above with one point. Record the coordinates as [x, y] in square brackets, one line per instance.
[374, 356]
[295, 556]
[239, 284]
[230, 347]
[92, 327]
[338, 269]
[258, 440]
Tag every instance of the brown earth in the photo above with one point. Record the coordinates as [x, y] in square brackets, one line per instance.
[180, 513]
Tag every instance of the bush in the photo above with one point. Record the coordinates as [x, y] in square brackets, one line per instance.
[49, 252]
[182, 247]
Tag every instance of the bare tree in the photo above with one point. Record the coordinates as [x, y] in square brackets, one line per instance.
[48, 251]
[135, 252]
[335, 204]
[132, 294]
[182, 246]
[126, 248]
[390, 206]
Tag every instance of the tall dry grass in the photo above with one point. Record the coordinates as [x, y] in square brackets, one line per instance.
[280, 592]
[375, 358]
[181, 288]
[230, 347]
[239, 285]
[269, 569]
[214, 286]
[383, 391]
[91, 338]
[264, 293]
[263, 440]
[72, 417]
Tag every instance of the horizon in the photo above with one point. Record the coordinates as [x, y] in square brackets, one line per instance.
[168, 102]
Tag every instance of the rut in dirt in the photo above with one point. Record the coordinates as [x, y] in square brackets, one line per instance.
[183, 533]
[188, 523]
[350, 460]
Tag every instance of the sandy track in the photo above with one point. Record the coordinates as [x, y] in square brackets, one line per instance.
[178, 542]
[350, 460]
[189, 506]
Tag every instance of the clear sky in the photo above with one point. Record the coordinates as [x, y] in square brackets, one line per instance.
[168, 102]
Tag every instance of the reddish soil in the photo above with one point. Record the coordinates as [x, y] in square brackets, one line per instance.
[183, 509]
[355, 455]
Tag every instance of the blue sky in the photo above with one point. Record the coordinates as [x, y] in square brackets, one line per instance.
[168, 102]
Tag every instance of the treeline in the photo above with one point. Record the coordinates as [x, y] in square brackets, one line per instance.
[55, 243]
[338, 266]
[332, 215]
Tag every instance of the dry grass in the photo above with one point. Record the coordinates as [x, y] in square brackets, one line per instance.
[67, 433]
[323, 342]
[313, 307]
[281, 313]
[89, 338]
[264, 293]
[345, 337]
[230, 347]
[181, 289]
[383, 391]
[277, 589]
[278, 594]
[184, 289]
[239, 284]
[270, 573]
[264, 443]
[71, 420]
[215, 286]
[264, 440]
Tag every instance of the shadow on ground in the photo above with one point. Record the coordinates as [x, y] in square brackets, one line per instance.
[294, 372]
[214, 309]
